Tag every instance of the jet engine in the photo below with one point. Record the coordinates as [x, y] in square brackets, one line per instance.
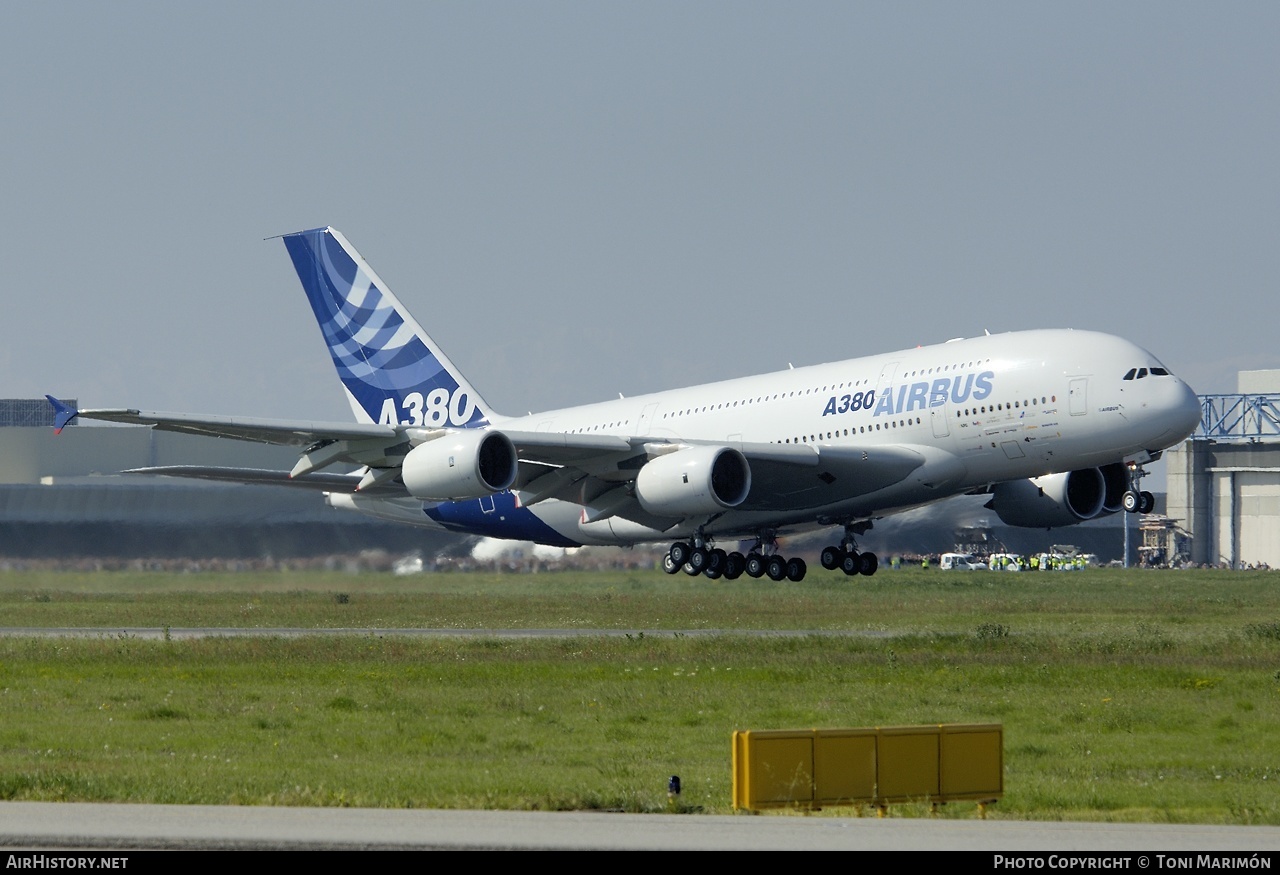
[694, 481]
[1053, 500]
[468, 463]
[1116, 479]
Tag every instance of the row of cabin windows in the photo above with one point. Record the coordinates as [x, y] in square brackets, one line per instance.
[598, 427]
[975, 411]
[993, 408]
[944, 368]
[835, 387]
[862, 429]
[760, 400]
[763, 398]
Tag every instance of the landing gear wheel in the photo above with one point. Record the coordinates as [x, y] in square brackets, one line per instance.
[1147, 502]
[698, 559]
[755, 565]
[869, 563]
[776, 567]
[831, 558]
[679, 553]
[715, 561]
[852, 563]
[690, 570]
[795, 569]
[669, 565]
[1131, 501]
[734, 564]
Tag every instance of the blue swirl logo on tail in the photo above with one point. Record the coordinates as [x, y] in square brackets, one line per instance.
[384, 358]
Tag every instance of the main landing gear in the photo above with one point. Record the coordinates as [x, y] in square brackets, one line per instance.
[697, 557]
[846, 557]
[1134, 499]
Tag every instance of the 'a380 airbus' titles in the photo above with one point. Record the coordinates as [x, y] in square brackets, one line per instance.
[1055, 425]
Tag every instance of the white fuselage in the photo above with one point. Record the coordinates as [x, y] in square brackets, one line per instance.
[980, 411]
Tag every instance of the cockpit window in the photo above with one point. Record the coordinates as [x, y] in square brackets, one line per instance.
[1132, 371]
[1159, 372]
[1142, 372]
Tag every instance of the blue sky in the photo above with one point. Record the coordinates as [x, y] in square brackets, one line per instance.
[582, 199]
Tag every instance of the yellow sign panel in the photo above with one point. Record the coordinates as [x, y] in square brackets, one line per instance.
[817, 767]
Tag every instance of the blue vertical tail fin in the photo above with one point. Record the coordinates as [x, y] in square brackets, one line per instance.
[392, 371]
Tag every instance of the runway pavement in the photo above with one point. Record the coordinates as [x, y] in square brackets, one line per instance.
[53, 826]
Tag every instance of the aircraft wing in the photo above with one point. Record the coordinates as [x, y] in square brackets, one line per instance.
[559, 448]
[579, 468]
[594, 471]
[280, 432]
[788, 477]
[321, 482]
[380, 447]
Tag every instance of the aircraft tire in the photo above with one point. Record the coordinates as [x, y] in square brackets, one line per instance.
[679, 553]
[669, 565]
[716, 559]
[690, 570]
[776, 567]
[869, 563]
[755, 566]
[796, 569]
[1131, 501]
[1146, 502]
[831, 558]
[734, 564]
[698, 558]
[851, 564]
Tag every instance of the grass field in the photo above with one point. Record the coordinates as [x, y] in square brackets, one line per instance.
[1124, 695]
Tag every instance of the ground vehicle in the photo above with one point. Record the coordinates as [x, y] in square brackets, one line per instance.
[960, 561]
[1005, 562]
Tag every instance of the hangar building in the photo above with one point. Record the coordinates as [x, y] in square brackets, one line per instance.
[1224, 482]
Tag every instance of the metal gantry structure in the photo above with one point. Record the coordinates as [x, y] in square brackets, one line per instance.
[1228, 489]
[1238, 417]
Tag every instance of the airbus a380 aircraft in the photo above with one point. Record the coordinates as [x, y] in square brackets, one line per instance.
[1055, 425]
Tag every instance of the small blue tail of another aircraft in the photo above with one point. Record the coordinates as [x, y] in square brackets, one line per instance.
[392, 370]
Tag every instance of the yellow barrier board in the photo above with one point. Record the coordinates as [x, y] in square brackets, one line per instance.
[812, 768]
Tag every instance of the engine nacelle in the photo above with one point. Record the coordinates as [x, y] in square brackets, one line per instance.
[1116, 478]
[468, 463]
[694, 481]
[1052, 500]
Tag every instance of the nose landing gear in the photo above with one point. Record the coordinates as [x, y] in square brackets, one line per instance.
[1136, 500]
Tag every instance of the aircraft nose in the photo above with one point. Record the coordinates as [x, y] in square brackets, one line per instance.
[1186, 409]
